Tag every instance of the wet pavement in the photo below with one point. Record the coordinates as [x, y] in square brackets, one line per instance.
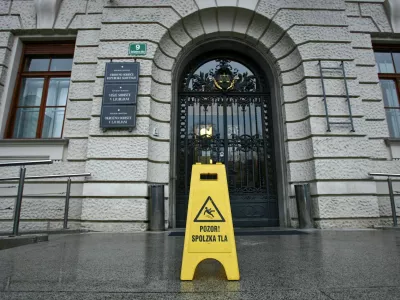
[361, 264]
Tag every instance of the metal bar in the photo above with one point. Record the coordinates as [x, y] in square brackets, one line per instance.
[252, 152]
[245, 152]
[392, 203]
[347, 97]
[340, 123]
[26, 163]
[18, 201]
[384, 174]
[219, 134]
[48, 176]
[186, 144]
[205, 129]
[233, 137]
[66, 208]
[225, 120]
[325, 68]
[230, 94]
[240, 146]
[199, 151]
[324, 93]
[258, 148]
[212, 131]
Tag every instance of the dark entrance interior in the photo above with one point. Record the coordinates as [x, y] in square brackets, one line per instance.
[225, 116]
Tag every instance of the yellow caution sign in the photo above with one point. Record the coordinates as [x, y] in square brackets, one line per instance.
[209, 228]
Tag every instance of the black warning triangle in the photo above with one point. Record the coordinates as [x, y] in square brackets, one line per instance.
[209, 212]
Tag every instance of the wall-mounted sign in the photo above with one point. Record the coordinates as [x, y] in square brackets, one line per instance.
[121, 82]
[120, 94]
[122, 72]
[137, 49]
[118, 116]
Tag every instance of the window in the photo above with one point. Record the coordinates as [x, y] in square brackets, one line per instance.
[388, 64]
[40, 96]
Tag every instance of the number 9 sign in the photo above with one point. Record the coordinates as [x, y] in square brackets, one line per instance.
[137, 49]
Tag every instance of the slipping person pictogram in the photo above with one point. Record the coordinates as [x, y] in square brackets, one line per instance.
[209, 211]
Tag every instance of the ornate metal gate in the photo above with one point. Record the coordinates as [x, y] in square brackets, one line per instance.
[224, 116]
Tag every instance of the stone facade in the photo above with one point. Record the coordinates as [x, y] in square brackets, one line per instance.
[291, 35]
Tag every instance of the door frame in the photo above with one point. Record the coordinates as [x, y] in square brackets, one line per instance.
[270, 74]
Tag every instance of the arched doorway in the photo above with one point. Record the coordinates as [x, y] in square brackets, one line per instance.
[224, 115]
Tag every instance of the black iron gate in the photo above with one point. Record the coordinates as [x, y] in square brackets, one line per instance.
[224, 116]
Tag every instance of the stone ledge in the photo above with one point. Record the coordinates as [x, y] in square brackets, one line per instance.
[62, 141]
[394, 147]
[15, 241]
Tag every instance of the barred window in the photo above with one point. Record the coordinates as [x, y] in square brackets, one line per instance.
[40, 96]
[388, 64]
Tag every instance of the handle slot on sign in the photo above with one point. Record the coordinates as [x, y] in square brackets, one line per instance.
[208, 176]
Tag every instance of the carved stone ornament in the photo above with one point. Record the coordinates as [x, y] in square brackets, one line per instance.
[223, 78]
[46, 12]
[393, 11]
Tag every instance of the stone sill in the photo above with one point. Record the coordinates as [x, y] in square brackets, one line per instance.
[394, 146]
[390, 141]
[32, 149]
[16, 142]
[367, 1]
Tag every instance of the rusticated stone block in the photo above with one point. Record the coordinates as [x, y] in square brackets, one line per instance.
[86, 22]
[361, 40]
[5, 57]
[88, 37]
[67, 12]
[114, 209]
[80, 90]
[85, 55]
[26, 11]
[110, 170]
[118, 147]
[193, 26]
[77, 149]
[6, 39]
[10, 22]
[162, 61]
[364, 57]
[158, 172]
[348, 206]
[159, 151]
[160, 111]
[131, 32]
[377, 12]
[169, 46]
[347, 223]
[163, 15]
[76, 128]
[183, 7]
[287, 18]
[79, 109]
[362, 25]
[83, 72]
[179, 34]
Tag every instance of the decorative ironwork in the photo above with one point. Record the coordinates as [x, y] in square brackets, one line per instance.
[223, 78]
[224, 117]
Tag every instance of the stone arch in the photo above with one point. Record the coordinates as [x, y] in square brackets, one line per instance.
[271, 40]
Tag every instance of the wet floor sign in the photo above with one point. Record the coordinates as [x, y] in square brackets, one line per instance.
[209, 228]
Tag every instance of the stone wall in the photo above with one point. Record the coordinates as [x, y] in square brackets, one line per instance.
[292, 35]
